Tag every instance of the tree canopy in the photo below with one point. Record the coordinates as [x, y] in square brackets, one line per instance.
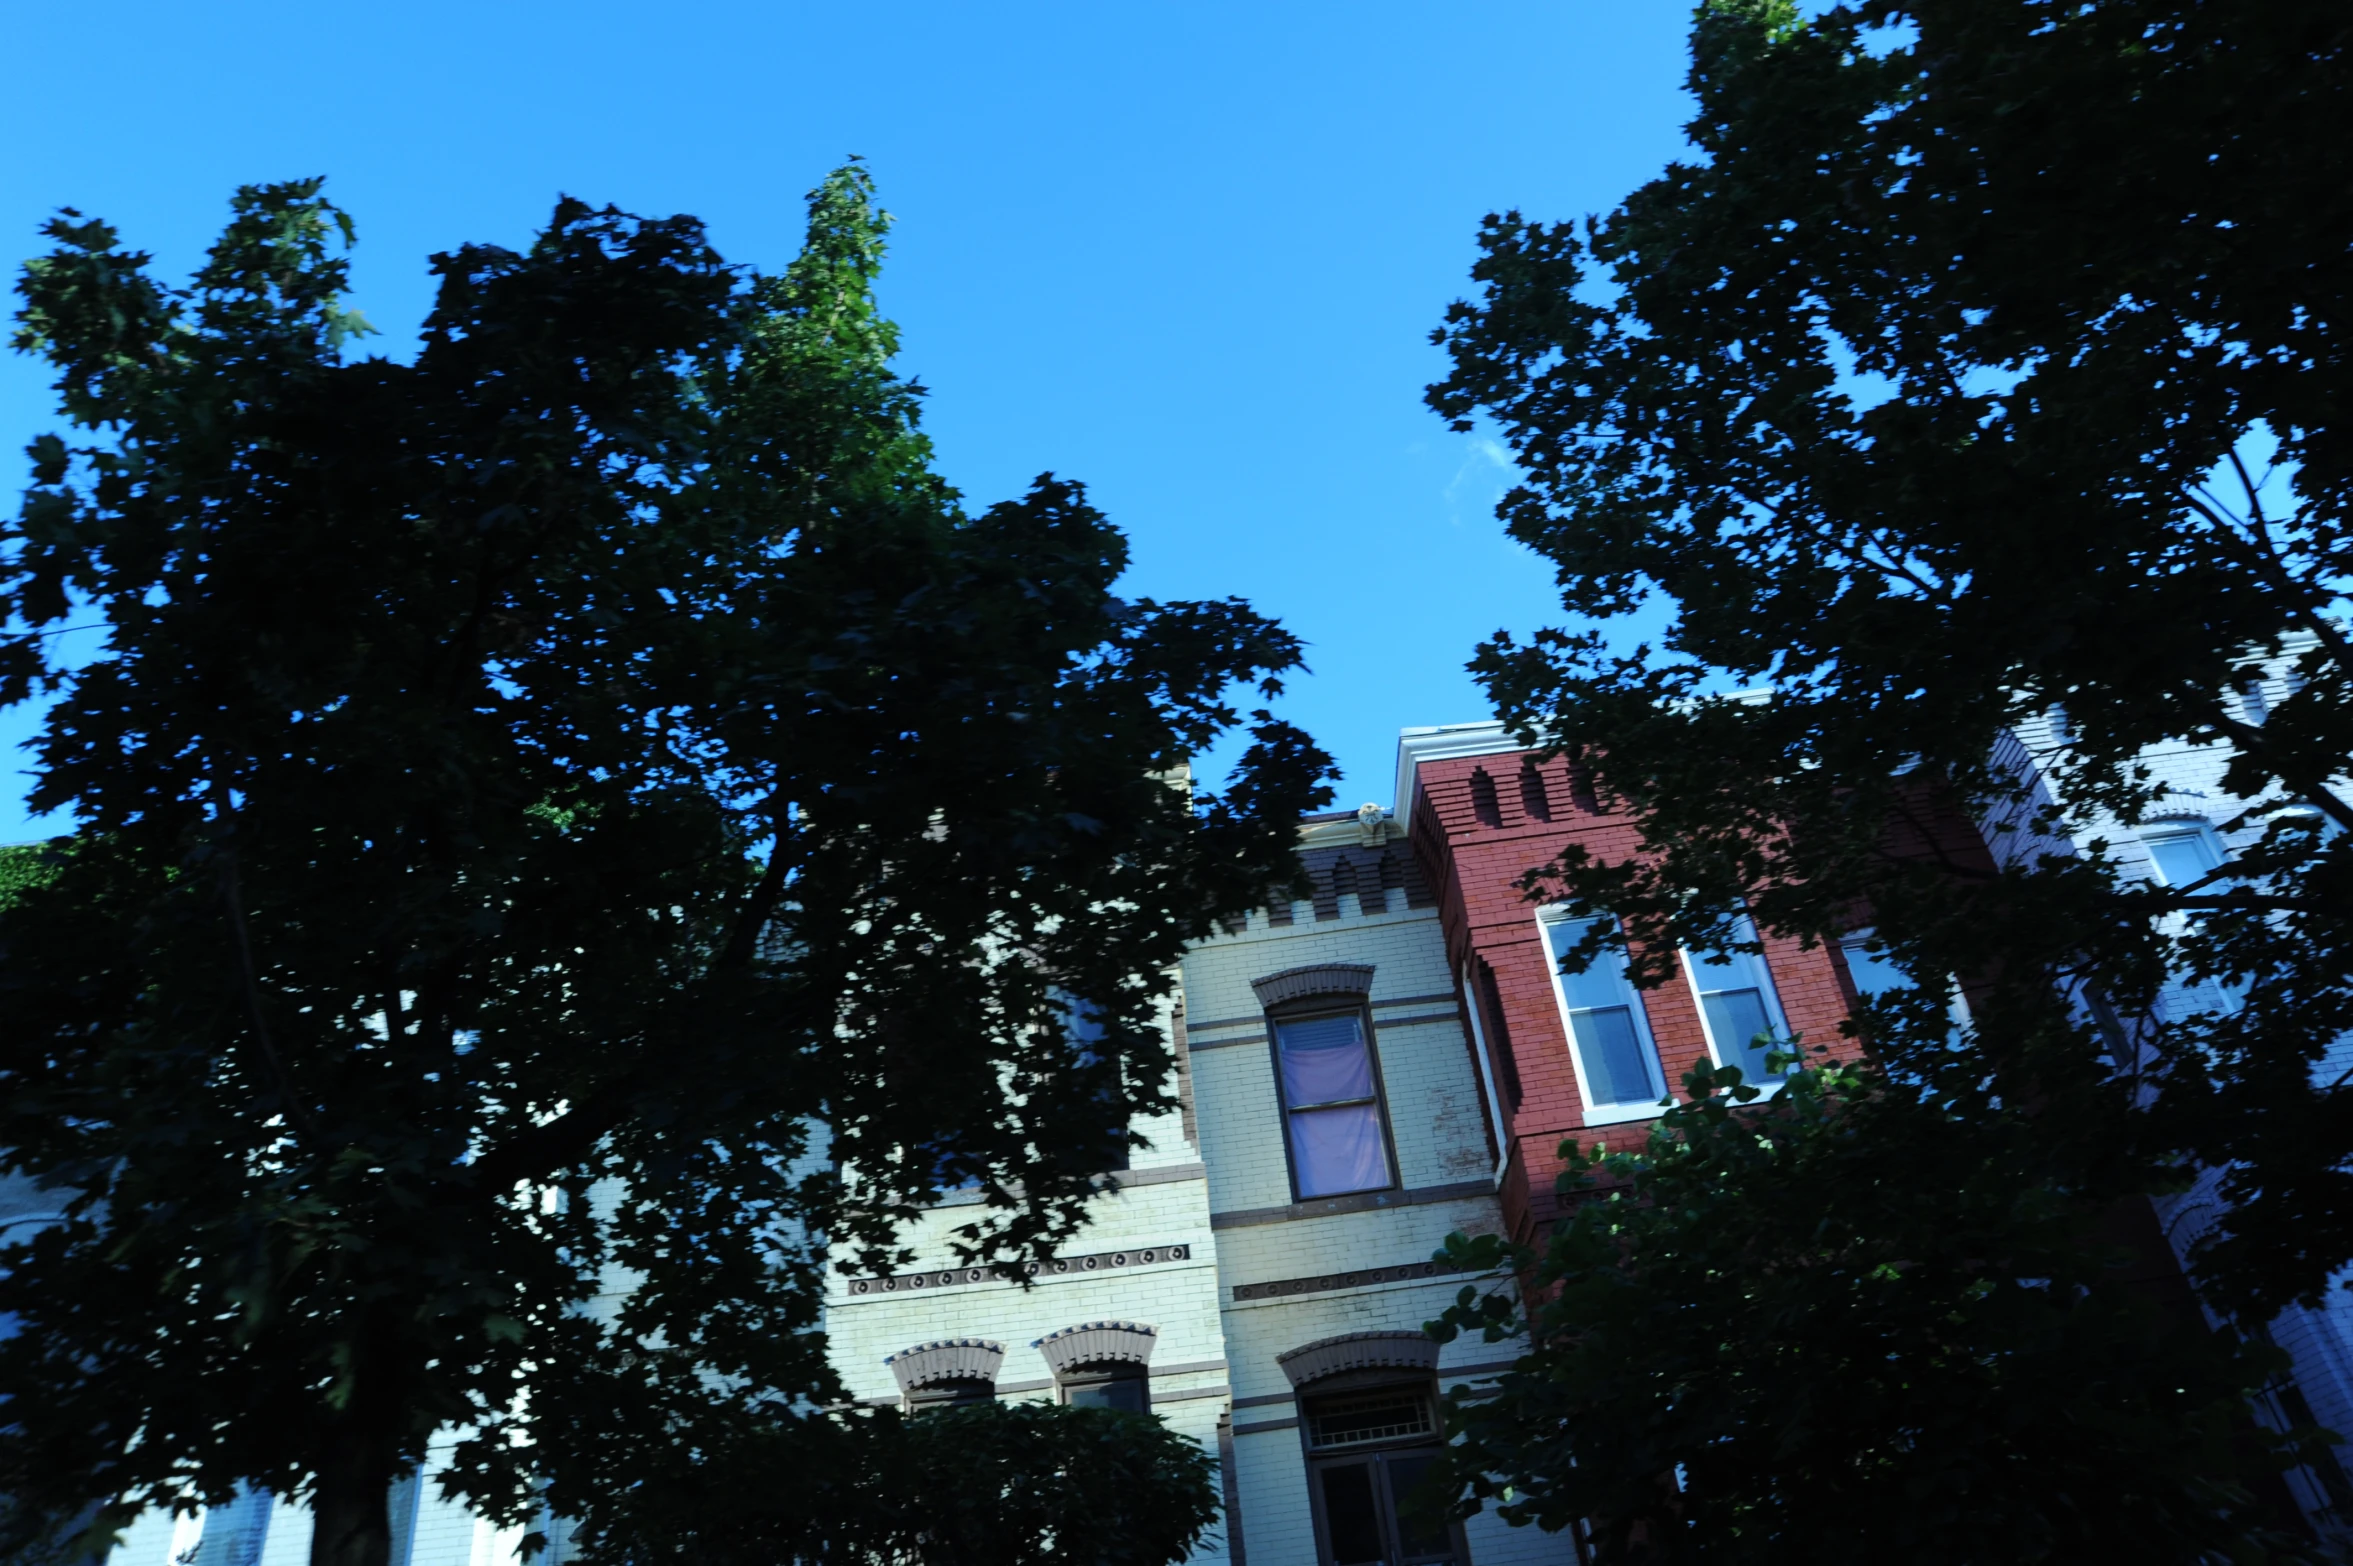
[980, 1484]
[585, 811]
[1857, 1325]
[1977, 375]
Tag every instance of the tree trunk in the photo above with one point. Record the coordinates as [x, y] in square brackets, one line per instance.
[351, 1511]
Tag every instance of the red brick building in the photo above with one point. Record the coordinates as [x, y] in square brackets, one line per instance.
[1480, 812]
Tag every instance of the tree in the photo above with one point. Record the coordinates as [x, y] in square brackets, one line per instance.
[586, 809]
[1982, 363]
[984, 1484]
[1932, 392]
[1854, 1325]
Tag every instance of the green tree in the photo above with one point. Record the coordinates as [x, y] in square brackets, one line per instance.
[583, 810]
[1852, 1326]
[1981, 364]
[984, 1484]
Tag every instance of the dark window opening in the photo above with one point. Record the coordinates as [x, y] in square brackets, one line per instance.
[1121, 1384]
[1484, 804]
[1581, 791]
[952, 1393]
[1370, 1452]
[1507, 1065]
[1532, 796]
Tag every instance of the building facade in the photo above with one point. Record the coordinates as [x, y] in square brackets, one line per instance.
[1391, 1058]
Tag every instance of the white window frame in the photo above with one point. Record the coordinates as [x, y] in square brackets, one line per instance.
[1761, 976]
[1602, 1114]
[2195, 828]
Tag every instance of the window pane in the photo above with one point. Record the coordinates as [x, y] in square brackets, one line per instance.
[1421, 1531]
[1125, 1394]
[1612, 1052]
[949, 1394]
[2182, 857]
[1599, 985]
[1874, 972]
[1349, 1518]
[1339, 1150]
[1324, 1060]
[1371, 1416]
[1735, 1018]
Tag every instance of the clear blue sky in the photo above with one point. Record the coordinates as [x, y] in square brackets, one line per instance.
[1188, 254]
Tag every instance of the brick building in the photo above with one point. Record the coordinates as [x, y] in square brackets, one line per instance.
[1391, 1058]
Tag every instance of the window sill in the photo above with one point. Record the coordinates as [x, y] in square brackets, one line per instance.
[1619, 1114]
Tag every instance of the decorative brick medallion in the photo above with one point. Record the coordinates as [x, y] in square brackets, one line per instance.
[1059, 1267]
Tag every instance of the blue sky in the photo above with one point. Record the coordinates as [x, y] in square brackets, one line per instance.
[1187, 254]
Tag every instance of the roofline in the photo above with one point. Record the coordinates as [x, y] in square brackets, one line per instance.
[1443, 742]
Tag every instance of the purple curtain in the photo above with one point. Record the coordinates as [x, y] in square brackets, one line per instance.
[1336, 1150]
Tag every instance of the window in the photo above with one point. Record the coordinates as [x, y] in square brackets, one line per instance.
[1121, 1384]
[1737, 1005]
[1868, 964]
[1617, 1065]
[1331, 1104]
[952, 1393]
[1367, 1452]
[2182, 851]
[1874, 973]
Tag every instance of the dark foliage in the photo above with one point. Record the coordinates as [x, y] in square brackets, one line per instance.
[574, 832]
[982, 1484]
[1978, 375]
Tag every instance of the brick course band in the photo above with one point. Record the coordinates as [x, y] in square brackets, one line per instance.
[1059, 1267]
[1328, 1282]
[1363, 1201]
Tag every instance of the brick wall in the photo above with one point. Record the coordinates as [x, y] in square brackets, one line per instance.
[1479, 823]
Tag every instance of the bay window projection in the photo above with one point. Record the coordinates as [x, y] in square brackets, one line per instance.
[1617, 1064]
[1331, 1104]
[1737, 1006]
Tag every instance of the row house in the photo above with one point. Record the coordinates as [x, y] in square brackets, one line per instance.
[1394, 1056]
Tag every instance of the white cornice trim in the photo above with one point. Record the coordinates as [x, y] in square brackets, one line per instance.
[1442, 742]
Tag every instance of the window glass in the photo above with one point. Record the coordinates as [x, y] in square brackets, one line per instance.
[2182, 854]
[1420, 1531]
[1120, 1384]
[1332, 1106]
[1736, 1000]
[949, 1394]
[1605, 1022]
[1873, 971]
[1373, 1416]
[1349, 1516]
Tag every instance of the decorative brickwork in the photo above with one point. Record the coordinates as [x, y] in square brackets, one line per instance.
[1059, 1267]
[1329, 1282]
[1129, 1342]
[950, 1359]
[1323, 978]
[1358, 1351]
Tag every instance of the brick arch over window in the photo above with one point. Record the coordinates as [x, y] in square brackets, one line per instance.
[1358, 1351]
[1099, 1342]
[1323, 978]
[950, 1359]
